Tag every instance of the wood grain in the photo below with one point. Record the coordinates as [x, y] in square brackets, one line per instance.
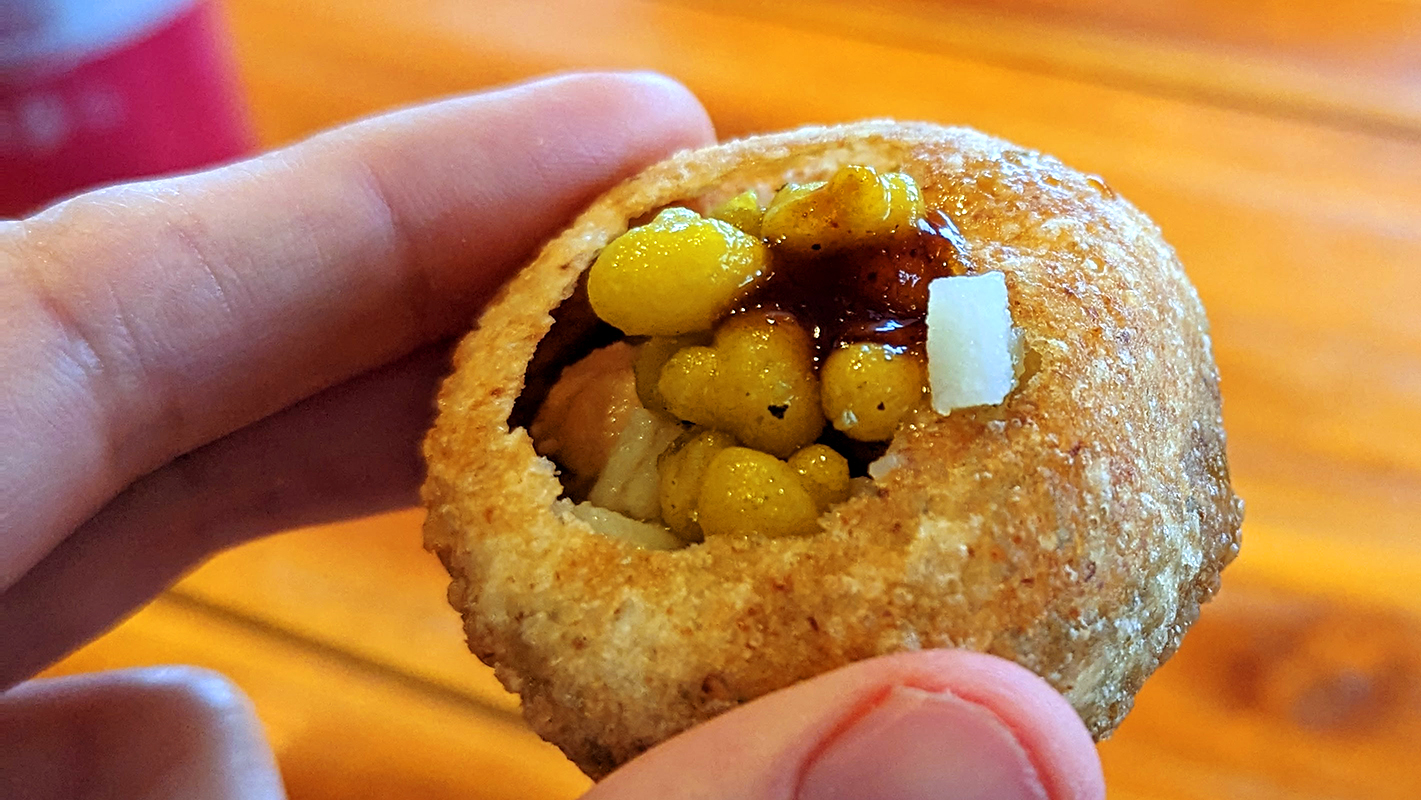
[1322, 380]
[365, 587]
[1276, 144]
[1348, 64]
[1266, 685]
[342, 728]
[1277, 694]
[1358, 34]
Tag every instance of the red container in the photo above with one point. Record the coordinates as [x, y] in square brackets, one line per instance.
[95, 91]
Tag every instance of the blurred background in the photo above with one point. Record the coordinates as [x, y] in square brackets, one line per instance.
[1277, 143]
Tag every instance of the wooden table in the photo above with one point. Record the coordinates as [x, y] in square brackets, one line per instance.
[1279, 146]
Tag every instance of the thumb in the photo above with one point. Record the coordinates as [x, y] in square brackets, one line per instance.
[934, 724]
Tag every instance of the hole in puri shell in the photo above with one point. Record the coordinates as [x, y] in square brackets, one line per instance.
[576, 331]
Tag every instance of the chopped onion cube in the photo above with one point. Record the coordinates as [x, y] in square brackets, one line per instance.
[970, 341]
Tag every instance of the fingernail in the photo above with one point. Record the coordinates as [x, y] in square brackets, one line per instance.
[918, 745]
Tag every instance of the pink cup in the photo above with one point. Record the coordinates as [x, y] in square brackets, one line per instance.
[95, 91]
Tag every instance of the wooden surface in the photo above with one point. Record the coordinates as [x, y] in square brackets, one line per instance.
[1277, 143]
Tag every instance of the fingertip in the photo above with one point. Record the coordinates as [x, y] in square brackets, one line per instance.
[1038, 717]
[156, 731]
[634, 117]
[656, 101]
[668, 100]
[903, 726]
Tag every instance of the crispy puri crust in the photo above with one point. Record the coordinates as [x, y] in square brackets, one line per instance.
[1075, 529]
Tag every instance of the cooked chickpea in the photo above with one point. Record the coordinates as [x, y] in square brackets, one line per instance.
[689, 383]
[824, 473]
[770, 393]
[869, 388]
[757, 382]
[648, 361]
[790, 193]
[903, 198]
[743, 211]
[676, 274]
[856, 203]
[683, 470]
[750, 493]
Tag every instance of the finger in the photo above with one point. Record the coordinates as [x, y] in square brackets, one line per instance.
[932, 724]
[158, 732]
[350, 450]
[156, 317]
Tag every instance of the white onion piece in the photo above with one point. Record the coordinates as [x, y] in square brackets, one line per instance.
[647, 535]
[970, 341]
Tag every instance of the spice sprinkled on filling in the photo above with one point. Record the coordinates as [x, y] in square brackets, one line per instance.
[779, 342]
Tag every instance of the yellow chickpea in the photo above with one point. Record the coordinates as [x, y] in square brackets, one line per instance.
[650, 357]
[750, 493]
[743, 211]
[769, 393]
[824, 473]
[869, 388]
[689, 384]
[756, 382]
[677, 274]
[790, 193]
[683, 470]
[855, 204]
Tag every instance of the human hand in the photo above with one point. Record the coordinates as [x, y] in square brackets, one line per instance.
[193, 362]
[935, 724]
[190, 363]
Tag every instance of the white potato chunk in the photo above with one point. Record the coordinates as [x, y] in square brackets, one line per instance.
[630, 483]
[970, 341]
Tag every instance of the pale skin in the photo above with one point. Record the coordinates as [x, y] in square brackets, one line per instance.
[190, 363]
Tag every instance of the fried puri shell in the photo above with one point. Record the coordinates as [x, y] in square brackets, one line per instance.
[1074, 529]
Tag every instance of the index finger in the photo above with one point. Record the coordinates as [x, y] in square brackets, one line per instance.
[149, 319]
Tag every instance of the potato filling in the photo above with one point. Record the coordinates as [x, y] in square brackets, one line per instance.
[774, 348]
